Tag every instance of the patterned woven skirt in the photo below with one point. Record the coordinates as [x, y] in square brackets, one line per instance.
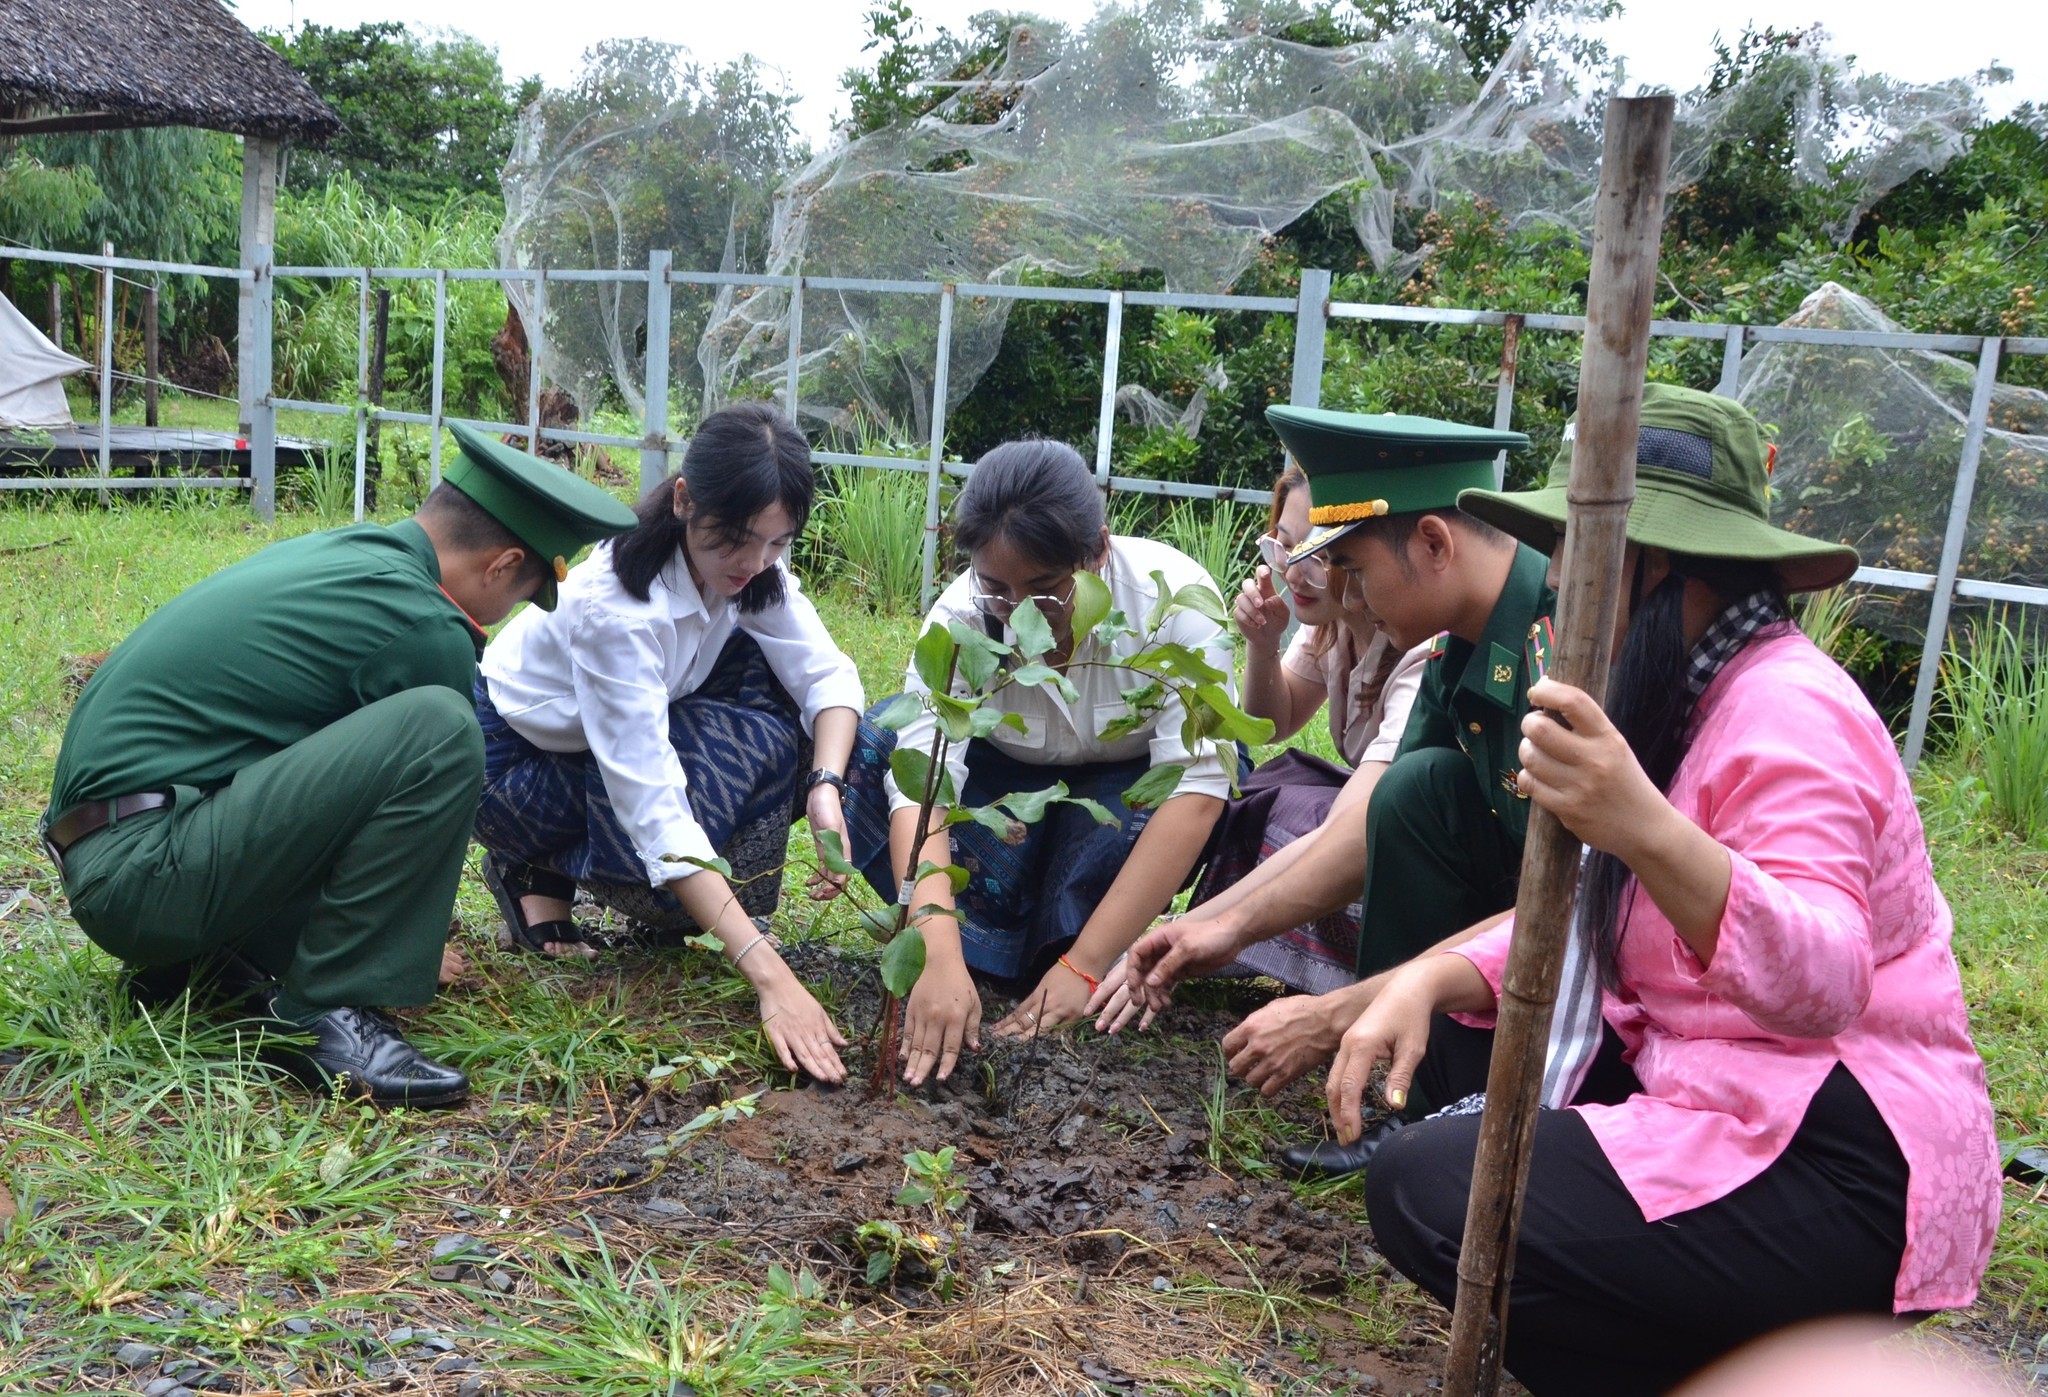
[741, 741]
[1288, 797]
[1024, 902]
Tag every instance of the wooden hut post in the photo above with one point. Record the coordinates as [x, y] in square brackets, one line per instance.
[260, 158]
[1628, 221]
[152, 355]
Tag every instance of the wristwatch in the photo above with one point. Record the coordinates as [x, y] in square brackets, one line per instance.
[825, 777]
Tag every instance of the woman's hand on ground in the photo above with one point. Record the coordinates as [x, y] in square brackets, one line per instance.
[1280, 1041]
[1394, 1029]
[827, 814]
[1586, 774]
[1261, 613]
[1061, 997]
[1113, 1004]
[453, 966]
[801, 1032]
[1176, 949]
[942, 1014]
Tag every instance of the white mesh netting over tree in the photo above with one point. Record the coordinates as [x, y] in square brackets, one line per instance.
[1136, 143]
[1869, 443]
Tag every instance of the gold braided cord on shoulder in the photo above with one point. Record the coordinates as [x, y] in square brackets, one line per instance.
[1346, 513]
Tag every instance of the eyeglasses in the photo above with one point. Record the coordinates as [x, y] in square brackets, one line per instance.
[999, 608]
[1313, 571]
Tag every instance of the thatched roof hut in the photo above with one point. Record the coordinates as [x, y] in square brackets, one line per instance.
[87, 65]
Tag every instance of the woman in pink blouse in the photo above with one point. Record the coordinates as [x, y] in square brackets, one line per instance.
[1785, 1117]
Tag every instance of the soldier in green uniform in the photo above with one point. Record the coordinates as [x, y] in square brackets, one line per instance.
[1445, 824]
[268, 787]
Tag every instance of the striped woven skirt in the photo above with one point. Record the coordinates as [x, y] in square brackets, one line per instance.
[741, 741]
[1281, 801]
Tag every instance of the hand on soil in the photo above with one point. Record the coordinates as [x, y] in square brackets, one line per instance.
[453, 966]
[942, 1013]
[1060, 998]
[1180, 948]
[1394, 1029]
[800, 1030]
[1280, 1041]
[1113, 1004]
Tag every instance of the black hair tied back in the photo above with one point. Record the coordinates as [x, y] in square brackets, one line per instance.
[743, 459]
[1037, 496]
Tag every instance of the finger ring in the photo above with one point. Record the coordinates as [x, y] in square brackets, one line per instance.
[1031, 1018]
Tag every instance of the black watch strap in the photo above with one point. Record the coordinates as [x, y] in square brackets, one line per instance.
[822, 777]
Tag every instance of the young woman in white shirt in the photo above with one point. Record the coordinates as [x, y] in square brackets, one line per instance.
[655, 721]
[1049, 916]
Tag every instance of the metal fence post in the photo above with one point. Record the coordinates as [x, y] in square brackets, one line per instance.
[1504, 393]
[1952, 548]
[1311, 325]
[362, 384]
[1731, 363]
[654, 415]
[533, 348]
[106, 358]
[255, 368]
[440, 377]
[1105, 422]
[938, 453]
[796, 345]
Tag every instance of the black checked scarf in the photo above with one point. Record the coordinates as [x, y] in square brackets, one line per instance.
[1575, 1022]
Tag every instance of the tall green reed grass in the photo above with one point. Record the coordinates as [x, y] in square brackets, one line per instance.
[873, 520]
[1215, 533]
[1994, 695]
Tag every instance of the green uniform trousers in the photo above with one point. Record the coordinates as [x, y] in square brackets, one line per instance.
[1437, 858]
[332, 863]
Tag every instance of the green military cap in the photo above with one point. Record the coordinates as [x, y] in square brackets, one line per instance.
[1361, 465]
[553, 511]
[1702, 488]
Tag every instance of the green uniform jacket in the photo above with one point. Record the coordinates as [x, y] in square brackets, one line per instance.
[1473, 696]
[262, 655]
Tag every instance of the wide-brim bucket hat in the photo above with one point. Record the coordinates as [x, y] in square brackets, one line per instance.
[1702, 473]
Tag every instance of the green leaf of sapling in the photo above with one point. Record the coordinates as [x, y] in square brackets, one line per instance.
[1201, 597]
[955, 715]
[1038, 674]
[899, 713]
[1033, 632]
[903, 961]
[1091, 603]
[1154, 786]
[955, 874]
[932, 658]
[1029, 806]
[832, 852]
[1002, 825]
[1093, 807]
[878, 922]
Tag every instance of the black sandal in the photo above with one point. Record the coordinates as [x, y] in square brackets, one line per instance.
[508, 883]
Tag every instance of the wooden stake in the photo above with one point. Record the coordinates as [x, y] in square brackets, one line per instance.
[152, 356]
[1627, 223]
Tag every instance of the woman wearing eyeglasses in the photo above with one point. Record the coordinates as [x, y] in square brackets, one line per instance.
[1339, 659]
[657, 719]
[1050, 914]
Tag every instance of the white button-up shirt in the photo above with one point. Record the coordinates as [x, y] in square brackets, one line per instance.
[1059, 733]
[599, 672]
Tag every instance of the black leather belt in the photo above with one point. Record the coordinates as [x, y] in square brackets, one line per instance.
[92, 816]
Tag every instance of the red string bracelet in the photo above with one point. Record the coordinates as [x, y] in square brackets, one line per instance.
[1093, 983]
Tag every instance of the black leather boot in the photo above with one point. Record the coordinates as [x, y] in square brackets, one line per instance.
[1327, 1159]
[361, 1053]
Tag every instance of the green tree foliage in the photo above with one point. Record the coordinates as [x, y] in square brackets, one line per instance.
[424, 120]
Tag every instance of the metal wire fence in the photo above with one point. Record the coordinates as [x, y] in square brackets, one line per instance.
[1312, 308]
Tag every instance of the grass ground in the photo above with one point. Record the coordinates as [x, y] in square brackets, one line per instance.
[175, 1199]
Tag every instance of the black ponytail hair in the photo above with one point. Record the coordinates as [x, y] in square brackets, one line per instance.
[743, 459]
[1649, 704]
[1039, 497]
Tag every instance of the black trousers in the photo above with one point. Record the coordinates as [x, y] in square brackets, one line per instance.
[1607, 1304]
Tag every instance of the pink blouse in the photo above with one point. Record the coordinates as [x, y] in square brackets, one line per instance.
[1834, 948]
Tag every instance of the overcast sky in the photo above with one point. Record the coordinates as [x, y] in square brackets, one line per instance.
[811, 42]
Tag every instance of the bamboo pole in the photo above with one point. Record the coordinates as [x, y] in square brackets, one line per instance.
[1628, 220]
